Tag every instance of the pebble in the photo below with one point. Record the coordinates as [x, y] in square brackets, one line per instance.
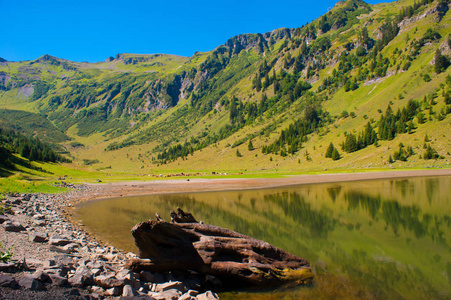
[71, 258]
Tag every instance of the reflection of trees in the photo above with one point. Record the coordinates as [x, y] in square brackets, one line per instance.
[369, 203]
[294, 206]
[334, 192]
[397, 215]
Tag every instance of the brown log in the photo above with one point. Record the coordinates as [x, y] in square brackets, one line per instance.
[208, 249]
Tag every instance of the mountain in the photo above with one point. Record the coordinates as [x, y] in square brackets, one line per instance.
[363, 86]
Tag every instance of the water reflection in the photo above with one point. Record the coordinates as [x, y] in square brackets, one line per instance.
[389, 238]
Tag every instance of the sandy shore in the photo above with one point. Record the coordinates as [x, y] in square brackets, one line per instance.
[192, 184]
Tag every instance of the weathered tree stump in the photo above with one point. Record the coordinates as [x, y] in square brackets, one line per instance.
[185, 244]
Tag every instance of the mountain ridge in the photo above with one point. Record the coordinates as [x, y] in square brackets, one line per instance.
[252, 88]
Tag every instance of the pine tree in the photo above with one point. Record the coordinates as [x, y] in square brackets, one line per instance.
[250, 146]
[330, 150]
[441, 62]
[335, 154]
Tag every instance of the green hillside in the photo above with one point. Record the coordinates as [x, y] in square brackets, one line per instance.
[361, 87]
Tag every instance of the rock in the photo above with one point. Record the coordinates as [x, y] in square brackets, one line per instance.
[3, 219]
[7, 281]
[115, 291]
[40, 275]
[190, 295]
[31, 284]
[58, 280]
[108, 281]
[207, 296]
[146, 276]
[6, 266]
[97, 289]
[94, 265]
[64, 259]
[83, 270]
[59, 242]
[187, 297]
[177, 285]
[79, 280]
[128, 291]
[38, 237]
[169, 294]
[13, 226]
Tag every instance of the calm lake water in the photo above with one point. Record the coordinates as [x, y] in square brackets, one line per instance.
[367, 239]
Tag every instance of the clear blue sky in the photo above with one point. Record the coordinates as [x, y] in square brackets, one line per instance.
[92, 30]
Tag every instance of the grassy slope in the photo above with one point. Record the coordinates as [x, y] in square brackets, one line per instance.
[364, 101]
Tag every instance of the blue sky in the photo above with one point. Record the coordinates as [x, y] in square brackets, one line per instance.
[96, 29]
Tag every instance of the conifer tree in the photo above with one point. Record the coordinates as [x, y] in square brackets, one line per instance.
[329, 150]
[335, 154]
[250, 146]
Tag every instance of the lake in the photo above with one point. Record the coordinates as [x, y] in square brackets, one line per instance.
[365, 239]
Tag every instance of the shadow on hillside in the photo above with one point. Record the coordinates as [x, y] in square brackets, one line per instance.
[5, 172]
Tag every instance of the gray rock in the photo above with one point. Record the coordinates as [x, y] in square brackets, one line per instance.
[83, 270]
[40, 223]
[38, 237]
[207, 296]
[108, 281]
[6, 266]
[128, 291]
[3, 219]
[187, 297]
[64, 259]
[61, 249]
[40, 275]
[168, 295]
[7, 281]
[49, 263]
[177, 285]
[94, 265]
[58, 280]
[39, 217]
[31, 284]
[79, 280]
[59, 241]
[13, 226]
[115, 291]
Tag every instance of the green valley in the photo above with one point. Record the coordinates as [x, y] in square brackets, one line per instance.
[364, 87]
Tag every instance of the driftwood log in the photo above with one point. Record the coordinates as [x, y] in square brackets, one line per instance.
[185, 244]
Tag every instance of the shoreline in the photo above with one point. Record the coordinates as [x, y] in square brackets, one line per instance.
[50, 217]
[195, 185]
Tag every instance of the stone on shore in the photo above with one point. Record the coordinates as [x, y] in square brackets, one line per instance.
[31, 283]
[207, 296]
[38, 237]
[13, 226]
[7, 281]
[3, 219]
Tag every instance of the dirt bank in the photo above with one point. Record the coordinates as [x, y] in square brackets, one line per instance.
[136, 188]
